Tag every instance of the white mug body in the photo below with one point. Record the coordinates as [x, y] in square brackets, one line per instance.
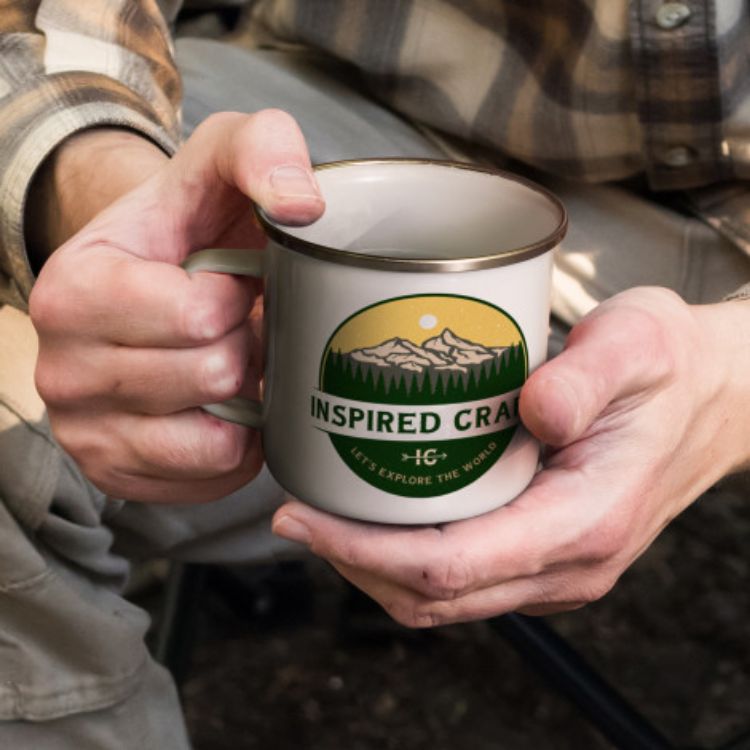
[399, 330]
[307, 300]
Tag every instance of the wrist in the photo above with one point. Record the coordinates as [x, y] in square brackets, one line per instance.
[80, 178]
[728, 327]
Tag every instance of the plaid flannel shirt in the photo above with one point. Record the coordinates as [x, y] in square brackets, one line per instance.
[595, 90]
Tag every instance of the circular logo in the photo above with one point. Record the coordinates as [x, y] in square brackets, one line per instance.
[419, 395]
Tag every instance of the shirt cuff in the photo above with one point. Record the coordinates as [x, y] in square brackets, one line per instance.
[33, 122]
[742, 293]
[726, 207]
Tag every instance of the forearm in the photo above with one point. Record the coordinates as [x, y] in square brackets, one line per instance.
[81, 177]
[54, 85]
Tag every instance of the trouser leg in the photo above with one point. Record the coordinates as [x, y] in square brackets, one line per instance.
[150, 718]
[74, 670]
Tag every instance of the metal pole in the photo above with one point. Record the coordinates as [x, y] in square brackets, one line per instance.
[568, 673]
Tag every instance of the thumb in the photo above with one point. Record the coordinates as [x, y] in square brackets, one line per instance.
[615, 352]
[230, 158]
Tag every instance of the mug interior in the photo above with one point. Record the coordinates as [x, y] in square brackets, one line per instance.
[429, 211]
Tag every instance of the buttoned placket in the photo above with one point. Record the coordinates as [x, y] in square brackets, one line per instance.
[676, 61]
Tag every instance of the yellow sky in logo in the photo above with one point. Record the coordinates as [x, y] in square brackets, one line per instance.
[421, 318]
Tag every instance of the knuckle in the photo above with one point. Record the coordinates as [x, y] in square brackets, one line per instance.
[604, 540]
[647, 317]
[348, 553]
[55, 386]
[46, 383]
[202, 320]
[44, 307]
[447, 578]
[221, 376]
[650, 297]
[64, 291]
[645, 326]
[596, 587]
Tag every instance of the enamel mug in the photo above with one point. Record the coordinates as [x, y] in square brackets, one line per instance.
[399, 330]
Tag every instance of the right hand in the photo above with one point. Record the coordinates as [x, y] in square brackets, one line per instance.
[130, 345]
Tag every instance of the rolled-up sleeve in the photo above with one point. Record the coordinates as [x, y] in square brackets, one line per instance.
[66, 66]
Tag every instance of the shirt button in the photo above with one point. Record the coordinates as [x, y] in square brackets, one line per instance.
[672, 15]
[678, 156]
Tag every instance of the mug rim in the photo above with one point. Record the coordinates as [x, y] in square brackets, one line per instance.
[281, 236]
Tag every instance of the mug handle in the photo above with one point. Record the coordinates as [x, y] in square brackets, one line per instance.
[241, 263]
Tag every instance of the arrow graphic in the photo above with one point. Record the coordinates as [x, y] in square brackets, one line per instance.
[427, 457]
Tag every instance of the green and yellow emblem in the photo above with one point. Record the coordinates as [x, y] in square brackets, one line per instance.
[419, 395]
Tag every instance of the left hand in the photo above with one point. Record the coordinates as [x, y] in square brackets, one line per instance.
[645, 409]
[130, 344]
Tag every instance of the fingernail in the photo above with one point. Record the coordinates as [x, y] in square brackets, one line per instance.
[292, 529]
[292, 181]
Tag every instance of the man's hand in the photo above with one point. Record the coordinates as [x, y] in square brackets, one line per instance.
[645, 409]
[129, 344]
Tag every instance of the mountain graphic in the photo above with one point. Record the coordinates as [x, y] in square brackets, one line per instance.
[446, 353]
[442, 369]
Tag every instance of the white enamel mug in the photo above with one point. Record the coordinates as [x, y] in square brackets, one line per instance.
[399, 329]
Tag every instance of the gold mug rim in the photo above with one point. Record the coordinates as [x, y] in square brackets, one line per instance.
[281, 236]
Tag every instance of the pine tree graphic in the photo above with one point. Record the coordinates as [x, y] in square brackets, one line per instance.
[444, 369]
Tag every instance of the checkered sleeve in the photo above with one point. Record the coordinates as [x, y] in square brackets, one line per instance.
[596, 91]
[66, 66]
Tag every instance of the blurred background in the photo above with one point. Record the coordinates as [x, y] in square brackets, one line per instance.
[290, 656]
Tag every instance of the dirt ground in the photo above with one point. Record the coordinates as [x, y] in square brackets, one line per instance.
[296, 659]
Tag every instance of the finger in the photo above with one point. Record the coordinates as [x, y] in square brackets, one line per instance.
[146, 489]
[103, 294]
[147, 381]
[191, 445]
[204, 194]
[617, 352]
[547, 525]
[229, 159]
[533, 595]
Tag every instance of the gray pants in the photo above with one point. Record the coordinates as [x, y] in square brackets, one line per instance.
[74, 672]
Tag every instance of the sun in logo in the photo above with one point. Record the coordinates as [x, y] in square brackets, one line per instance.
[417, 318]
